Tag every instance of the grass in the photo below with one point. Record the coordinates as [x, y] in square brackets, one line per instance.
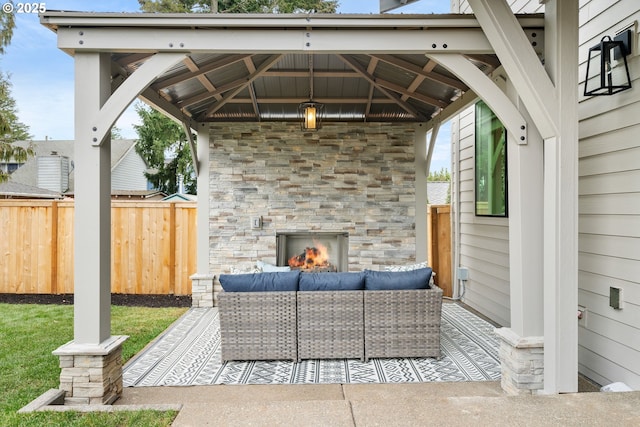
[28, 335]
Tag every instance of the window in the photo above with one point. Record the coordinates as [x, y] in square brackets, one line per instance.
[490, 163]
[9, 168]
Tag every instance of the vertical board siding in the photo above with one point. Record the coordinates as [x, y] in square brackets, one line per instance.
[143, 258]
[609, 208]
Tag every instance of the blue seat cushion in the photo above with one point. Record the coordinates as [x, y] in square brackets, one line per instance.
[397, 280]
[260, 282]
[331, 281]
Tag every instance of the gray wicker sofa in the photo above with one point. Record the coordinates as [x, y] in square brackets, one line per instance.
[295, 316]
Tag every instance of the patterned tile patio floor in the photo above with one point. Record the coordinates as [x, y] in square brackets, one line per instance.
[188, 353]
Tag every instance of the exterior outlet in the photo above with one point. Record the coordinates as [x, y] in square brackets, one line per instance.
[256, 222]
[615, 298]
[582, 316]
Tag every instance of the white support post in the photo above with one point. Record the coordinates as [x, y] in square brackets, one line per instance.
[92, 363]
[420, 144]
[202, 283]
[92, 300]
[525, 177]
[561, 203]
[550, 96]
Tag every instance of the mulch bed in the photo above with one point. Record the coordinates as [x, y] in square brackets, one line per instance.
[116, 299]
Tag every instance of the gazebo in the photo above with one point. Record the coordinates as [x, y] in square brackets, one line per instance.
[201, 69]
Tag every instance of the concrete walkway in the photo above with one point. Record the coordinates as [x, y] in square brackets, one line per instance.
[418, 404]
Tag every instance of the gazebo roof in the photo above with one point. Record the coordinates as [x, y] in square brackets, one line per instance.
[229, 74]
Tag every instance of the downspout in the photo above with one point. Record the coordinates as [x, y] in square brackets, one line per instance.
[455, 158]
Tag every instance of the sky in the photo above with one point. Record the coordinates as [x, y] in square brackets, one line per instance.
[42, 75]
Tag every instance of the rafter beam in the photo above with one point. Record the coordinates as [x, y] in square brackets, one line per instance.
[433, 76]
[305, 74]
[371, 79]
[198, 71]
[420, 97]
[270, 62]
[204, 80]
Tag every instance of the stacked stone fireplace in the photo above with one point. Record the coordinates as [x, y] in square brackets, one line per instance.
[270, 180]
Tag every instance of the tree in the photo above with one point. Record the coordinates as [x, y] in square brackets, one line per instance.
[7, 24]
[442, 175]
[159, 137]
[239, 6]
[10, 128]
[163, 144]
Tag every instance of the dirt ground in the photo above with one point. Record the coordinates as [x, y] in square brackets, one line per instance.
[116, 299]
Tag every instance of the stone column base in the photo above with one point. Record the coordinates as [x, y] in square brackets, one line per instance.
[91, 373]
[522, 362]
[202, 290]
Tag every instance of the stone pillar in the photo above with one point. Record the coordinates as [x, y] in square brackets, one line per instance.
[202, 290]
[522, 362]
[91, 374]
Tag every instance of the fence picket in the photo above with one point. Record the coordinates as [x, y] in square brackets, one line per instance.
[153, 247]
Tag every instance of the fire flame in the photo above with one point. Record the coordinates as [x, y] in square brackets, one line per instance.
[316, 256]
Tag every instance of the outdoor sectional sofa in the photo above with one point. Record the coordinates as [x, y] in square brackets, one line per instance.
[295, 316]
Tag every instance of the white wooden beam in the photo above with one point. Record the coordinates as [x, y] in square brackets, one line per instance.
[192, 147]
[432, 143]
[561, 203]
[92, 219]
[464, 40]
[104, 119]
[517, 56]
[203, 147]
[421, 172]
[486, 89]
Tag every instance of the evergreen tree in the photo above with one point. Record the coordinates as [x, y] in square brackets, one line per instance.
[442, 175]
[11, 129]
[163, 144]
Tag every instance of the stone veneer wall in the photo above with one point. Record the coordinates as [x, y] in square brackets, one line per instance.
[355, 178]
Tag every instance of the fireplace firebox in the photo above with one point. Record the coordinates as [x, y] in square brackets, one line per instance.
[313, 251]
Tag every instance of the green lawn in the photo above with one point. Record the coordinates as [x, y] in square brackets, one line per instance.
[28, 335]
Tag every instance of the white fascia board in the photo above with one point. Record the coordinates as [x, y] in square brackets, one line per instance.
[59, 20]
[459, 40]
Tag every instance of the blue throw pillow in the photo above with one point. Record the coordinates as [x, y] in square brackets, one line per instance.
[331, 281]
[260, 282]
[397, 280]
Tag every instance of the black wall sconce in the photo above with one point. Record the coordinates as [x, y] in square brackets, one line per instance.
[604, 76]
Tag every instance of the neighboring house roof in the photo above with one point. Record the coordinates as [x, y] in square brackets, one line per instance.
[177, 197]
[437, 192]
[14, 190]
[137, 195]
[28, 173]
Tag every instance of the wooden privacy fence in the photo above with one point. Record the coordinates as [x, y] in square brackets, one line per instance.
[153, 247]
[439, 245]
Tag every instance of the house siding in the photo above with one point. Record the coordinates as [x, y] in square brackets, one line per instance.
[609, 208]
[129, 173]
[482, 243]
